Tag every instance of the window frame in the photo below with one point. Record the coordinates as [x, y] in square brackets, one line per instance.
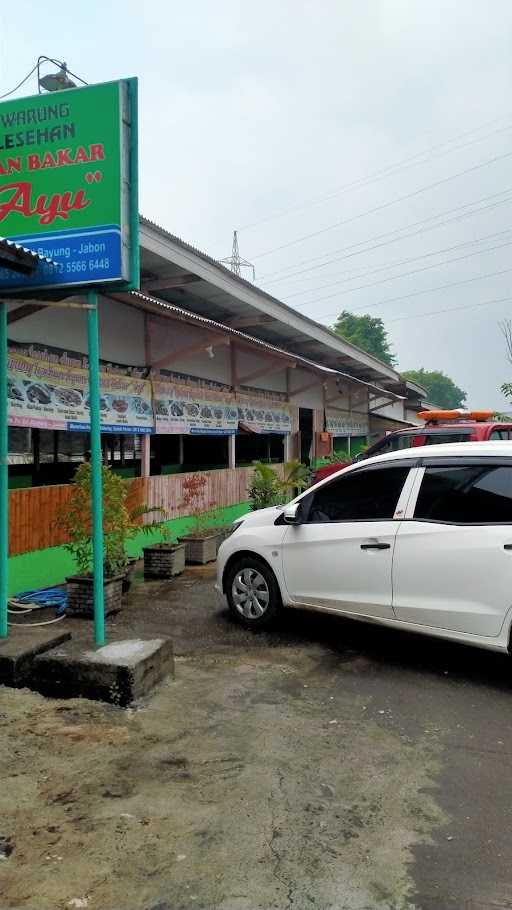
[495, 461]
[401, 504]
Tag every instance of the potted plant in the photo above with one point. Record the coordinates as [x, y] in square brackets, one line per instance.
[201, 544]
[76, 520]
[264, 487]
[268, 489]
[165, 559]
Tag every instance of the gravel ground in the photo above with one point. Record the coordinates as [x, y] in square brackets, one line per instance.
[322, 765]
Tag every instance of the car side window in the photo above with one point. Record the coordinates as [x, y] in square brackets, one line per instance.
[392, 443]
[366, 495]
[434, 439]
[471, 494]
[500, 434]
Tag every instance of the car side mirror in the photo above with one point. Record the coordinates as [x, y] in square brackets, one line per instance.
[292, 514]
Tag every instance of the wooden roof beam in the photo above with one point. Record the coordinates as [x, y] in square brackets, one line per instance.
[172, 281]
[273, 367]
[208, 341]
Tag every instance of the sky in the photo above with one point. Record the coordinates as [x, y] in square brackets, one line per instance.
[362, 150]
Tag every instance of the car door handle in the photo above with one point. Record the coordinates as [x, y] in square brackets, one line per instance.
[375, 546]
[507, 546]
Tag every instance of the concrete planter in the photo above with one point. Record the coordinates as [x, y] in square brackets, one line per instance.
[80, 595]
[128, 578]
[164, 560]
[200, 549]
[222, 534]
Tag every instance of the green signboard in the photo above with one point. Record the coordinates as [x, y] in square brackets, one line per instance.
[68, 185]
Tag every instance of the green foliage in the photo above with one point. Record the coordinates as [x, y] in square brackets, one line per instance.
[339, 456]
[268, 489]
[263, 490]
[366, 332]
[506, 389]
[119, 525]
[76, 520]
[296, 476]
[136, 527]
[440, 389]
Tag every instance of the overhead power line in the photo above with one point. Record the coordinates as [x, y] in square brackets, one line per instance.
[396, 263]
[16, 87]
[390, 171]
[424, 268]
[466, 306]
[421, 230]
[385, 205]
[439, 287]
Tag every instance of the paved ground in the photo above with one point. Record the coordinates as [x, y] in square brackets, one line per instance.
[325, 765]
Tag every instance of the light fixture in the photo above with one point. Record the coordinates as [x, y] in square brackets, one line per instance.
[55, 82]
[209, 350]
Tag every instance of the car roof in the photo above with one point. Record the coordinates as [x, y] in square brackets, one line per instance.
[499, 448]
[449, 425]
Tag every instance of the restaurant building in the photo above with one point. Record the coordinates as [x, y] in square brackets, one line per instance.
[201, 370]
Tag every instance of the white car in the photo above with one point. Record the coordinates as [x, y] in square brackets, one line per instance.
[420, 539]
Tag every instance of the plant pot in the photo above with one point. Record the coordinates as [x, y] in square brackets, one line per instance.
[223, 533]
[164, 560]
[128, 577]
[201, 547]
[80, 595]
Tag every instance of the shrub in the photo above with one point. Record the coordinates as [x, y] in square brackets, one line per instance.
[195, 501]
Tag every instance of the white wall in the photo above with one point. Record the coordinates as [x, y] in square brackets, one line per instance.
[121, 331]
[394, 411]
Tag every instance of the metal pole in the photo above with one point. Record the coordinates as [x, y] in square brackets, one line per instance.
[4, 475]
[96, 468]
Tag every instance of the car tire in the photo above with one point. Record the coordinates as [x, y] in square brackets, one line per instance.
[252, 592]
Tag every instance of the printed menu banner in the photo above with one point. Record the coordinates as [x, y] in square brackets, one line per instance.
[183, 409]
[56, 397]
[343, 423]
[264, 417]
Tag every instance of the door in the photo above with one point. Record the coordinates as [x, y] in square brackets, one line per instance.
[341, 556]
[452, 566]
[306, 434]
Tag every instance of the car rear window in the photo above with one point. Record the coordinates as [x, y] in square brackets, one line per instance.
[471, 494]
[432, 439]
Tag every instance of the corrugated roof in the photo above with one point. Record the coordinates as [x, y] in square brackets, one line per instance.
[188, 316]
[19, 258]
[366, 361]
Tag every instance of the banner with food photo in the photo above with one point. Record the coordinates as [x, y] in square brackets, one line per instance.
[343, 423]
[183, 409]
[263, 416]
[55, 397]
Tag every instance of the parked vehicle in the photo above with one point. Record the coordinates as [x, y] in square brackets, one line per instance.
[419, 539]
[440, 427]
[443, 427]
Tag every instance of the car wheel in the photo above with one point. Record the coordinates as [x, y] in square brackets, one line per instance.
[252, 592]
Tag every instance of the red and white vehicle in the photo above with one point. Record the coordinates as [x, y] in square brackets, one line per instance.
[440, 427]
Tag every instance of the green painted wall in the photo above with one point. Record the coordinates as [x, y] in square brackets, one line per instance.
[43, 568]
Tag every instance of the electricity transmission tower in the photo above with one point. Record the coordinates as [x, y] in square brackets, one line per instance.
[235, 262]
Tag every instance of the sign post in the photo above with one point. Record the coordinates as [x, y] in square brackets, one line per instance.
[4, 475]
[68, 190]
[96, 466]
